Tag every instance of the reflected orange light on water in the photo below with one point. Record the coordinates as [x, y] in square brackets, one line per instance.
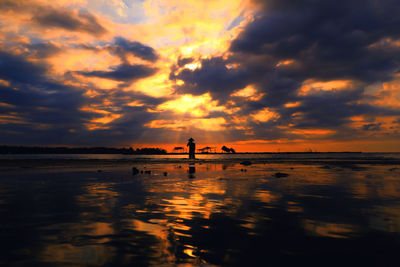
[187, 212]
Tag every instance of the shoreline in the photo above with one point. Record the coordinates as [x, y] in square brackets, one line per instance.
[21, 164]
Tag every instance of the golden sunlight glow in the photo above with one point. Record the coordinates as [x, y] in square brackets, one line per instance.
[135, 103]
[158, 85]
[357, 118]
[390, 94]
[311, 86]
[208, 124]
[265, 115]
[82, 60]
[99, 123]
[248, 92]
[180, 82]
[292, 104]
[193, 66]
[197, 106]
[312, 131]
[284, 63]
[385, 42]
[107, 119]
[4, 83]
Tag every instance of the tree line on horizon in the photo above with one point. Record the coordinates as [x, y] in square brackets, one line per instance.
[79, 150]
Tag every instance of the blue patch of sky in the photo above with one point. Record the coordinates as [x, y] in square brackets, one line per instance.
[235, 22]
[133, 11]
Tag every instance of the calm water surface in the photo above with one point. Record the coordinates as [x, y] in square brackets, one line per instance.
[210, 214]
[209, 156]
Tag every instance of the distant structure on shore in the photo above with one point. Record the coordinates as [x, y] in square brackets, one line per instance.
[207, 149]
[228, 150]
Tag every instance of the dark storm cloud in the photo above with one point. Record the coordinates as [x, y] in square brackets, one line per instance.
[43, 50]
[214, 76]
[37, 110]
[17, 69]
[325, 40]
[330, 39]
[372, 127]
[183, 61]
[122, 47]
[330, 109]
[81, 22]
[125, 73]
[47, 16]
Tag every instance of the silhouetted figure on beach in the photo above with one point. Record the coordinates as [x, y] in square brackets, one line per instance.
[192, 148]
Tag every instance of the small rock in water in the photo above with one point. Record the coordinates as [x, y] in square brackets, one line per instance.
[135, 171]
[246, 163]
[280, 174]
[98, 170]
[165, 173]
[147, 172]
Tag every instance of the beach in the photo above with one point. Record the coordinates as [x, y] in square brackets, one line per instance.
[213, 212]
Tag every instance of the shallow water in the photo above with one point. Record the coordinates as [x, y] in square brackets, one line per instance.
[202, 214]
[266, 156]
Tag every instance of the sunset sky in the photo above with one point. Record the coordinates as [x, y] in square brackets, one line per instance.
[272, 75]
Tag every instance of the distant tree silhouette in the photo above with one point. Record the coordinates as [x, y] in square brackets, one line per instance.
[78, 150]
[228, 150]
[179, 148]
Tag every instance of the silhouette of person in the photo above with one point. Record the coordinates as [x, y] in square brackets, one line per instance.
[192, 148]
[191, 171]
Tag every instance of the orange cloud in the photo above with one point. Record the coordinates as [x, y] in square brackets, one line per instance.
[196, 106]
[248, 92]
[100, 123]
[265, 115]
[311, 86]
[209, 124]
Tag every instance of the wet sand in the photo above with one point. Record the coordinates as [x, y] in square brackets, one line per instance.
[95, 212]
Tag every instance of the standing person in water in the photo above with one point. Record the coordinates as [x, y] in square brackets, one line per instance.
[192, 148]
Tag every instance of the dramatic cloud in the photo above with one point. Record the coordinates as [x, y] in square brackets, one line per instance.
[16, 68]
[213, 77]
[123, 47]
[261, 75]
[82, 21]
[320, 55]
[124, 73]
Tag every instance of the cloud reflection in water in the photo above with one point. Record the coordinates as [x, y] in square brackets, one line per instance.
[220, 216]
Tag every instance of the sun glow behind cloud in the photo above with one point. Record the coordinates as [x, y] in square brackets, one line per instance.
[128, 70]
[195, 106]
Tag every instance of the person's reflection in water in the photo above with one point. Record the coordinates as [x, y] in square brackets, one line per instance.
[191, 171]
[192, 148]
